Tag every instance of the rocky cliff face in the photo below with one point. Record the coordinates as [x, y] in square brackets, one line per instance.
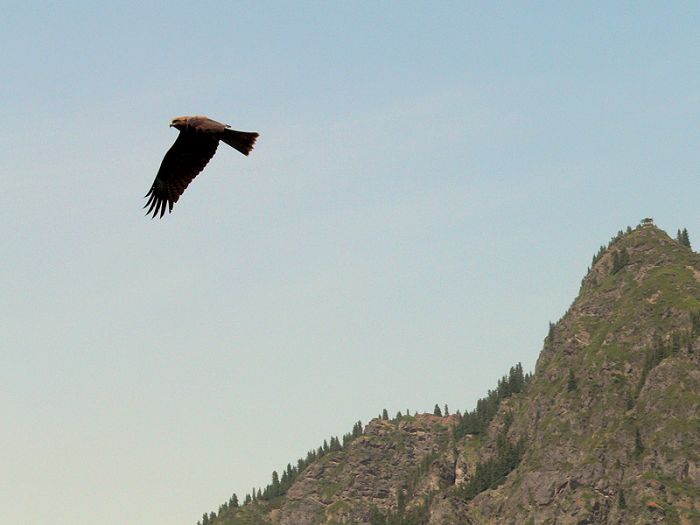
[622, 445]
[609, 424]
[350, 486]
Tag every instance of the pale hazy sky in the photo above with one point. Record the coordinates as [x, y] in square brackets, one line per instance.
[430, 184]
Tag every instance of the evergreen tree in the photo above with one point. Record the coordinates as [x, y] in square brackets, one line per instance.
[492, 472]
[233, 502]
[694, 324]
[571, 384]
[638, 445]
[446, 412]
[675, 343]
[401, 502]
[621, 501]
[385, 415]
[275, 489]
[685, 240]
[437, 411]
[476, 421]
[357, 429]
[621, 259]
[205, 519]
[682, 237]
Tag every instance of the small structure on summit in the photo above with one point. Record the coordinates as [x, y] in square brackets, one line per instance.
[647, 221]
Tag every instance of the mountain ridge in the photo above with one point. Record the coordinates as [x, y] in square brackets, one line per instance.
[607, 430]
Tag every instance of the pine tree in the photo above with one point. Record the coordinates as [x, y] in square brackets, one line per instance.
[401, 502]
[638, 445]
[275, 489]
[357, 429]
[620, 260]
[437, 411]
[685, 240]
[446, 412]
[233, 502]
[385, 415]
[621, 501]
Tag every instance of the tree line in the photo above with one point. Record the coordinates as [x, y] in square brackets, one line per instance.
[280, 483]
[476, 421]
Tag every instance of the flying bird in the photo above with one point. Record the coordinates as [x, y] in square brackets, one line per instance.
[193, 149]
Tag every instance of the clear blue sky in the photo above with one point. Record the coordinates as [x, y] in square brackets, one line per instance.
[431, 181]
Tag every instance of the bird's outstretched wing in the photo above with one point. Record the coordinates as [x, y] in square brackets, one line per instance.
[184, 160]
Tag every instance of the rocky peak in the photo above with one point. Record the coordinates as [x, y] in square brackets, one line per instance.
[606, 431]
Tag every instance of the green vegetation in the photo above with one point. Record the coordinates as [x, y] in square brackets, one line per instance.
[280, 484]
[621, 259]
[682, 237]
[638, 445]
[493, 472]
[597, 392]
[417, 514]
[660, 350]
[476, 421]
[621, 501]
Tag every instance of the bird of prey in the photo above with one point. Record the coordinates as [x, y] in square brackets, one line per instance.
[194, 147]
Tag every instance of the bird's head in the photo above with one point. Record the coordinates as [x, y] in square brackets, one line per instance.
[179, 122]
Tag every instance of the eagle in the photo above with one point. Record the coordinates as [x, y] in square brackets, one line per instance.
[194, 147]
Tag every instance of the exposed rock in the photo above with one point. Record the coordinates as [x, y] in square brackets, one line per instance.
[621, 444]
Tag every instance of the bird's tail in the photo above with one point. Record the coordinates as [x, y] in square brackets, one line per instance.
[243, 141]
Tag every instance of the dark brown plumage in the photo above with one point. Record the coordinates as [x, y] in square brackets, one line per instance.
[193, 149]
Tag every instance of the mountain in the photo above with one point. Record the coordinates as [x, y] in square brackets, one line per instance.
[606, 430]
